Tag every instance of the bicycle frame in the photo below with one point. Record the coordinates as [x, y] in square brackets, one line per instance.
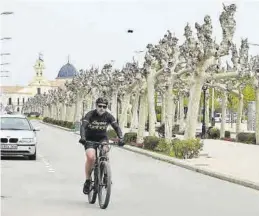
[100, 156]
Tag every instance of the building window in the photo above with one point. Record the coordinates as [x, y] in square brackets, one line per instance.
[18, 109]
[18, 101]
[10, 101]
[23, 101]
[38, 90]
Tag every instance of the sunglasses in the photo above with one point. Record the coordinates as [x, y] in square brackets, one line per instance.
[102, 106]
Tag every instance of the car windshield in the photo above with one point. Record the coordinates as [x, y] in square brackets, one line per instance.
[14, 124]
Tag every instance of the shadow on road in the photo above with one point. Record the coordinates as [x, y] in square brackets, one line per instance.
[15, 158]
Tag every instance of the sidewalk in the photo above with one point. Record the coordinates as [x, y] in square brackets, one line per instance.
[229, 158]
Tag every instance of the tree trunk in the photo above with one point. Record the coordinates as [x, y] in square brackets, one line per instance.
[207, 115]
[89, 103]
[77, 115]
[212, 103]
[178, 112]
[193, 108]
[163, 109]
[224, 111]
[169, 112]
[64, 112]
[76, 107]
[68, 111]
[142, 117]
[257, 115]
[56, 111]
[50, 111]
[181, 110]
[173, 113]
[114, 103]
[134, 117]
[239, 114]
[125, 105]
[151, 104]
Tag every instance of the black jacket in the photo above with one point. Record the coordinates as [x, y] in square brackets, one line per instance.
[94, 126]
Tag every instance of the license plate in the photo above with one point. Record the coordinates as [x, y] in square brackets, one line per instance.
[8, 146]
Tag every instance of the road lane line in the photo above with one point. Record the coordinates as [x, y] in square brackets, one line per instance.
[47, 164]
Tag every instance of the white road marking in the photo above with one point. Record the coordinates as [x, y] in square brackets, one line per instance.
[47, 164]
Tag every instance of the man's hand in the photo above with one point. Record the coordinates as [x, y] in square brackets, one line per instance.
[82, 140]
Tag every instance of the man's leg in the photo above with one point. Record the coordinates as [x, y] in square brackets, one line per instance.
[89, 164]
[90, 160]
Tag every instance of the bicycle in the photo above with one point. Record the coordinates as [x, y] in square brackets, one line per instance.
[100, 175]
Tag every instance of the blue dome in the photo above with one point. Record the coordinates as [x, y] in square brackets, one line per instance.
[67, 71]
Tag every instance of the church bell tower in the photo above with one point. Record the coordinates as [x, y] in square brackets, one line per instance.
[39, 66]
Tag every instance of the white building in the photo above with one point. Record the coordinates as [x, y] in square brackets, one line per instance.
[13, 97]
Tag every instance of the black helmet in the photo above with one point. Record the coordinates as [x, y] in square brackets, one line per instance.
[102, 101]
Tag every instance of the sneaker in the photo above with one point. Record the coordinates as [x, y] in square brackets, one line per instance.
[86, 186]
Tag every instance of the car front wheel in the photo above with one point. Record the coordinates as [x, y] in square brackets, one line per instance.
[33, 157]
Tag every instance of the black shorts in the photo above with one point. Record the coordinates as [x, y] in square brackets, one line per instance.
[93, 146]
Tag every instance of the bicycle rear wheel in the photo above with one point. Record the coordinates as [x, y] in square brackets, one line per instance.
[93, 188]
[104, 183]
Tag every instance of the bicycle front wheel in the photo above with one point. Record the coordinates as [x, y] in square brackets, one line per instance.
[104, 185]
[93, 190]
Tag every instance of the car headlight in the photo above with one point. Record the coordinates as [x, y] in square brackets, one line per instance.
[27, 140]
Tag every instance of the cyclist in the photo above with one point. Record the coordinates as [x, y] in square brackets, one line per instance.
[94, 128]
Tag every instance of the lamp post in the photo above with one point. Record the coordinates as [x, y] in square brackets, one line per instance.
[204, 88]
[6, 38]
[2, 54]
[6, 13]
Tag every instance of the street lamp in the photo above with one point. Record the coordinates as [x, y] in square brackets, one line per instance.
[139, 51]
[253, 44]
[6, 38]
[6, 13]
[204, 88]
[5, 54]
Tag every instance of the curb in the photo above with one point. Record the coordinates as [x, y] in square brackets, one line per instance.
[183, 164]
[186, 165]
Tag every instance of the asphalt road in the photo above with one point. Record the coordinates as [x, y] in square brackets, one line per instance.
[142, 186]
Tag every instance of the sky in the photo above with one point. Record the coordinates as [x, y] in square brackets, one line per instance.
[95, 32]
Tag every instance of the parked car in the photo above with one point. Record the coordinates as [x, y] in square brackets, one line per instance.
[18, 136]
[218, 117]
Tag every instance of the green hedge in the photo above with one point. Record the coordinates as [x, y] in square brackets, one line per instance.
[61, 123]
[130, 137]
[187, 148]
[111, 134]
[248, 138]
[213, 133]
[183, 149]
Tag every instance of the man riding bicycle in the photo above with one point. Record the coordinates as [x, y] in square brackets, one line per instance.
[94, 128]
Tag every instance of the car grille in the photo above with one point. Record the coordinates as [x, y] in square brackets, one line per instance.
[11, 140]
[4, 140]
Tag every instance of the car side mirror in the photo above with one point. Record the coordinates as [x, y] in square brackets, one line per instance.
[36, 129]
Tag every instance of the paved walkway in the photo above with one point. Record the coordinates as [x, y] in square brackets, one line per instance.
[236, 159]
